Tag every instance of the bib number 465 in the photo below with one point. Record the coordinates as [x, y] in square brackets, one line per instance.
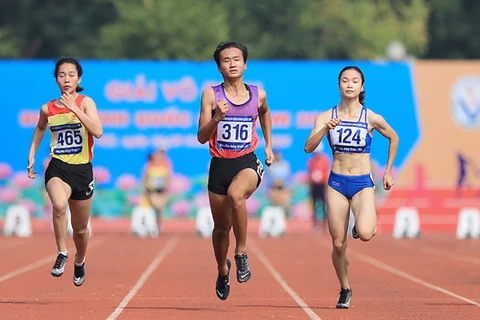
[70, 137]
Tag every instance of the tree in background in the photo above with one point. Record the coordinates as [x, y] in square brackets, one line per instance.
[150, 29]
[324, 29]
[48, 29]
[453, 27]
[272, 29]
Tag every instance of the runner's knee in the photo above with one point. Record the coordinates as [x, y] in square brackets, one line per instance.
[366, 234]
[221, 230]
[59, 207]
[237, 199]
[339, 246]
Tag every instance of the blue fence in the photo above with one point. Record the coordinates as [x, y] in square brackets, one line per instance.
[144, 104]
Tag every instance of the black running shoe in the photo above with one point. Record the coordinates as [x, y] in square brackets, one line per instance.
[243, 269]
[79, 274]
[59, 265]
[344, 300]
[222, 287]
[355, 233]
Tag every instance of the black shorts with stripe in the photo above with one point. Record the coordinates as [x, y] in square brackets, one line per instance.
[78, 176]
[222, 171]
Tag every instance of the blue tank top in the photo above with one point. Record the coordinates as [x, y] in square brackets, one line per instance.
[350, 136]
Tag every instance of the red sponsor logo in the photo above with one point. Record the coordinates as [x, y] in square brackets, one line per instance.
[169, 118]
[115, 118]
[281, 119]
[306, 119]
[28, 118]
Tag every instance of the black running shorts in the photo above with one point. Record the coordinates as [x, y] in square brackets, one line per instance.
[222, 171]
[78, 176]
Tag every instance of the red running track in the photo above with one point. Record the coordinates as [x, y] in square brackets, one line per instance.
[173, 277]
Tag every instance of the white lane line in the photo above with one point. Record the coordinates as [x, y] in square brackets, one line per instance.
[276, 275]
[39, 263]
[383, 266]
[172, 242]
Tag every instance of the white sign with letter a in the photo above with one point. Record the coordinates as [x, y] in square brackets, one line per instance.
[144, 222]
[273, 222]
[407, 223]
[17, 221]
[468, 225]
[204, 222]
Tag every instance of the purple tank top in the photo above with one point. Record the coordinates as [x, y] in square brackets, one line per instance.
[236, 134]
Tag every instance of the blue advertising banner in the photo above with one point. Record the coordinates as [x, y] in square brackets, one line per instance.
[147, 104]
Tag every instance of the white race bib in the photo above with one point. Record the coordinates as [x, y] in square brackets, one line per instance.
[68, 138]
[235, 132]
[157, 182]
[351, 137]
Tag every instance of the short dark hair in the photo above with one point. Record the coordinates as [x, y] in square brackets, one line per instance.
[230, 44]
[73, 61]
[362, 95]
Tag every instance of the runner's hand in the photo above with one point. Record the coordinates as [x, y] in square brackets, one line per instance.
[270, 156]
[221, 110]
[333, 123]
[68, 100]
[31, 173]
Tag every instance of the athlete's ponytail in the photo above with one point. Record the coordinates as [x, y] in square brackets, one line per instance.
[361, 97]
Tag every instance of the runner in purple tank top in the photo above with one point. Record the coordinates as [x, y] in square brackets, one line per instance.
[227, 121]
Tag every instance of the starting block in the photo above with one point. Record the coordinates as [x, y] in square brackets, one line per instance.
[407, 223]
[17, 222]
[204, 222]
[144, 222]
[468, 225]
[273, 222]
[69, 224]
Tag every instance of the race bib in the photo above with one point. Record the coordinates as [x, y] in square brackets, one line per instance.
[68, 138]
[157, 182]
[235, 132]
[346, 136]
[349, 138]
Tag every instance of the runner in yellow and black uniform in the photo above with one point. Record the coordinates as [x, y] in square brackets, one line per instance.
[73, 122]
